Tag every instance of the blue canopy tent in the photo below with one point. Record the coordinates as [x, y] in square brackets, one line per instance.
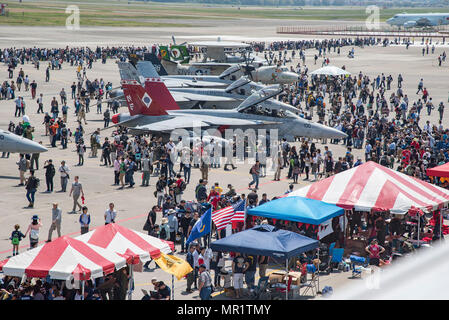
[297, 209]
[267, 240]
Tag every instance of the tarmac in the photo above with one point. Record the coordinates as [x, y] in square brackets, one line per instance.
[134, 204]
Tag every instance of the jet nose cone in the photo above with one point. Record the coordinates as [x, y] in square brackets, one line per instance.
[40, 148]
[332, 133]
[115, 118]
[28, 146]
[291, 76]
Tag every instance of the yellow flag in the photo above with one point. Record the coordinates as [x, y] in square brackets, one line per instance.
[174, 265]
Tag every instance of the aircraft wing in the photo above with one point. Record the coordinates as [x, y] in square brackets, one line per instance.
[171, 124]
[219, 44]
[185, 97]
[223, 121]
[211, 64]
[189, 122]
[182, 83]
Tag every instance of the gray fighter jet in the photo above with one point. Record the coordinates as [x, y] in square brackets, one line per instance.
[10, 142]
[152, 110]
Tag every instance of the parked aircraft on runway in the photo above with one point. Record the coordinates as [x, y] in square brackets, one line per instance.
[149, 113]
[10, 142]
[188, 98]
[411, 20]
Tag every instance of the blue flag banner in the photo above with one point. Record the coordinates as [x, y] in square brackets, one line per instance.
[201, 227]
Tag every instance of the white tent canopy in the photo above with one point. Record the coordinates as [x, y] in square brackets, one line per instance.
[63, 258]
[330, 71]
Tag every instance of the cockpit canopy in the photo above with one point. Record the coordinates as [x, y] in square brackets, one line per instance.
[267, 112]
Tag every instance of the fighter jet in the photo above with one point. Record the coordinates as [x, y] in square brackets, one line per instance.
[258, 73]
[412, 20]
[187, 95]
[10, 142]
[191, 98]
[152, 111]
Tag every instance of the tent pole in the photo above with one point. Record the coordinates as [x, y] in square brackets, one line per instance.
[318, 280]
[441, 223]
[82, 290]
[172, 287]
[286, 279]
[130, 282]
[344, 228]
[419, 229]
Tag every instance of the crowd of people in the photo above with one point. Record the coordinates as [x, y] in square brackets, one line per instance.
[358, 105]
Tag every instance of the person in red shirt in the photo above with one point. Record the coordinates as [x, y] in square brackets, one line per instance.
[406, 156]
[213, 197]
[415, 144]
[375, 250]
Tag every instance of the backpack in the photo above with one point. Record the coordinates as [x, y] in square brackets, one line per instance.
[15, 239]
[34, 183]
[183, 185]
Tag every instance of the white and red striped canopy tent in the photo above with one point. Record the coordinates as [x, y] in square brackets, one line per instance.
[134, 246]
[62, 259]
[372, 186]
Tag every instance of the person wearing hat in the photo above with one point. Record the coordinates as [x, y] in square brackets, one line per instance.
[50, 172]
[204, 283]
[33, 229]
[64, 172]
[165, 229]
[172, 221]
[163, 292]
[167, 205]
[231, 191]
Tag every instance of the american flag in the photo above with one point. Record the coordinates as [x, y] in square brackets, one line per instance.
[239, 215]
[222, 217]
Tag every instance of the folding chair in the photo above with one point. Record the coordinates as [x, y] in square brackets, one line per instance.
[337, 257]
[261, 292]
[331, 248]
[357, 264]
[312, 284]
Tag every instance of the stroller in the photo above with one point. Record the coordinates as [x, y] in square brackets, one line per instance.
[325, 259]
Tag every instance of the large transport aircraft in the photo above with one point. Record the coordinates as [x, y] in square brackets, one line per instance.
[414, 20]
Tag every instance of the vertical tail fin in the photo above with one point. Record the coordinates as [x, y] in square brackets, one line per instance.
[156, 62]
[127, 71]
[139, 101]
[147, 70]
[152, 100]
[158, 91]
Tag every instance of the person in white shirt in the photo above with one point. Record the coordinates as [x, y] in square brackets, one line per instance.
[428, 127]
[64, 171]
[196, 265]
[110, 214]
